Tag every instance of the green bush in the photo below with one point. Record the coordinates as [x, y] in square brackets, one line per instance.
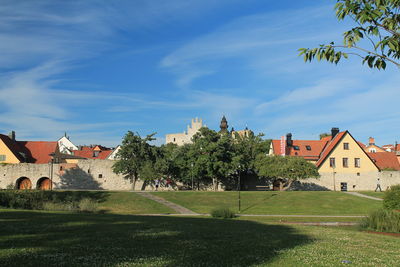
[48, 200]
[87, 205]
[51, 206]
[222, 213]
[382, 221]
[391, 199]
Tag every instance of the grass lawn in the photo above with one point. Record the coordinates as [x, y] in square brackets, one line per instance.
[130, 203]
[37, 238]
[372, 193]
[272, 202]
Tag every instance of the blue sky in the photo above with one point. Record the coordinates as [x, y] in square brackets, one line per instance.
[97, 69]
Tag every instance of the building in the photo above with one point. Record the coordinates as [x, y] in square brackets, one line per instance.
[342, 162]
[373, 148]
[185, 137]
[92, 152]
[65, 145]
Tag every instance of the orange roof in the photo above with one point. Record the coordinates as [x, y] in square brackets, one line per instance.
[331, 145]
[38, 151]
[90, 154]
[313, 153]
[385, 160]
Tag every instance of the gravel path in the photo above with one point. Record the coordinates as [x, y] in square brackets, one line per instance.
[179, 209]
[362, 195]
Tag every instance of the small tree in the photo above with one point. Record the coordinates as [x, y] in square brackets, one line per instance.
[136, 156]
[378, 21]
[285, 170]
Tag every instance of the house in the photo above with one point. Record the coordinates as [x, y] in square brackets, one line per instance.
[372, 147]
[92, 152]
[13, 151]
[343, 163]
[113, 154]
[65, 145]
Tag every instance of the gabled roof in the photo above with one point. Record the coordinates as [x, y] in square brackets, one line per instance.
[39, 151]
[316, 147]
[385, 160]
[14, 147]
[330, 146]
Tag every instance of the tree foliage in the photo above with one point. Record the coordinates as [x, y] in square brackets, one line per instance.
[377, 22]
[286, 169]
[136, 157]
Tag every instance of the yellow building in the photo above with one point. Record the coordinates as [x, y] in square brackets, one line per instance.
[8, 150]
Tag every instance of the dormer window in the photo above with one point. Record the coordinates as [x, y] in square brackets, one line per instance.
[96, 154]
[308, 148]
[296, 147]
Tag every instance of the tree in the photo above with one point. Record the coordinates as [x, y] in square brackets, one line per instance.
[285, 170]
[135, 157]
[322, 135]
[378, 22]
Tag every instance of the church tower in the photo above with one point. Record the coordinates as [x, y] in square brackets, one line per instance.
[224, 125]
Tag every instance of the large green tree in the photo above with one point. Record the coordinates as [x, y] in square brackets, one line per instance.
[136, 157]
[285, 170]
[377, 22]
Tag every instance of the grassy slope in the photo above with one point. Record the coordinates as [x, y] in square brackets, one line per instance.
[66, 239]
[131, 203]
[292, 202]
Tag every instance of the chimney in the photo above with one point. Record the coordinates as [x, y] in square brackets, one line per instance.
[12, 135]
[289, 141]
[371, 141]
[334, 132]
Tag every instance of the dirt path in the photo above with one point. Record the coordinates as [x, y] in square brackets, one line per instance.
[179, 209]
[362, 195]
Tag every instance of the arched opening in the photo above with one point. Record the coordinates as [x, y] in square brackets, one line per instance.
[24, 183]
[44, 183]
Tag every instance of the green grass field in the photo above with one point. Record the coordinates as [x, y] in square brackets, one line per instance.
[130, 203]
[37, 238]
[271, 202]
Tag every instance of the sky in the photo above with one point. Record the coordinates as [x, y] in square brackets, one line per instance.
[96, 69]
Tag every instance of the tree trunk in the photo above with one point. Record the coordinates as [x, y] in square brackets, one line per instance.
[287, 185]
[134, 179]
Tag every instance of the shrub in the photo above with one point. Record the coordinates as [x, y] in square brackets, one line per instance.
[382, 221]
[87, 205]
[222, 213]
[391, 199]
[59, 206]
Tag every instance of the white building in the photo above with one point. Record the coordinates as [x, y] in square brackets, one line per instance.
[185, 137]
[65, 145]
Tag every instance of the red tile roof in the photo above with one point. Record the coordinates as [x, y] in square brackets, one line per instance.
[89, 154]
[385, 160]
[38, 151]
[316, 147]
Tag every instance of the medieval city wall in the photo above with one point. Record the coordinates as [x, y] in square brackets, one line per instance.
[91, 174]
[364, 182]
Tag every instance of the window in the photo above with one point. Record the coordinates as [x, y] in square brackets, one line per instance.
[61, 168]
[345, 162]
[332, 162]
[296, 147]
[372, 150]
[3, 157]
[100, 175]
[358, 174]
[308, 148]
[357, 162]
[346, 146]
[96, 154]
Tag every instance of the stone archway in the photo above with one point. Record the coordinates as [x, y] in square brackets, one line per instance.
[24, 183]
[43, 183]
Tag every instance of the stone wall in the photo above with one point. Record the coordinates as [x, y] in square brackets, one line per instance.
[93, 174]
[363, 182]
